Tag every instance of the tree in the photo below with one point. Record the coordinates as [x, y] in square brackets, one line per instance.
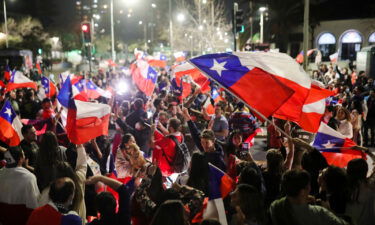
[205, 27]
[27, 33]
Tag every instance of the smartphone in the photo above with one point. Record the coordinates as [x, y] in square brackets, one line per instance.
[245, 146]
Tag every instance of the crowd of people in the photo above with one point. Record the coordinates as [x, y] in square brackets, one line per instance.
[154, 165]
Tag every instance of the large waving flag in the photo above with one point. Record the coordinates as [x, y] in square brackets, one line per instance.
[18, 80]
[94, 91]
[79, 89]
[10, 125]
[219, 186]
[85, 120]
[259, 79]
[144, 76]
[335, 147]
[314, 107]
[49, 87]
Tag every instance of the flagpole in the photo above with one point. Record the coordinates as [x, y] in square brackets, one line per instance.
[251, 108]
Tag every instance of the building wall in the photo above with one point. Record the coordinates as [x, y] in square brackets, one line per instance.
[365, 27]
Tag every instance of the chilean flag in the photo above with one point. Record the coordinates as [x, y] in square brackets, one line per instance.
[85, 120]
[314, 107]
[144, 76]
[300, 56]
[18, 80]
[186, 69]
[257, 78]
[79, 89]
[180, 56]
[215, 96]
[49, 87]
[220, 185]
[10, 125]
[157, 61]
[94, 91]
[335, 147]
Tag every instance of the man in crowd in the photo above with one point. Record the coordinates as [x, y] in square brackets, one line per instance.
[19, 189]
[29, 146]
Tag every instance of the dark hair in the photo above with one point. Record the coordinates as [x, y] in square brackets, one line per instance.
[357, 173]
[294, 181]
[16, 152]
[61, 189]
[171, 212]
[48, 149]
[105, 204]
[251, 177]
[138, 103]
[208, 134]
[157, 102]
[45, 100]
[175, 124]
[210, 222]
[26, 128]
[125, 139]
[337, 188]
[63, 169]
[198, 173]
[156, 187]
[251, 203]
[274, 161]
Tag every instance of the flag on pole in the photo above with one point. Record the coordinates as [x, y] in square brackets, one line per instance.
[220, 185]
[334, 57]
[186, 69]
[18, 80]
[10, 125]
[49, 87]
[255, 77]
[335, 147]
[85, 120]
[179, 56]
[157, 61]
[144, 76]
[94, 91]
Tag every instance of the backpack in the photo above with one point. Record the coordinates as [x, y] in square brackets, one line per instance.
[182, 156]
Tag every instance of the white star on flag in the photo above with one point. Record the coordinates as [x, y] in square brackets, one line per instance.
[9, 112]
[328, 145]
[218, 67]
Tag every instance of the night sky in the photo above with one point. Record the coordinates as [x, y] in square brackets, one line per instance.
[60, 14]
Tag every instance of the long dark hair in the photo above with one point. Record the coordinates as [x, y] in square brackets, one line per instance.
[198, 173]
[357, 174]
[156, 188]
[171, 212]
[49, 152]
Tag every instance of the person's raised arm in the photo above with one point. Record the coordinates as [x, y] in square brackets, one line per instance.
[81, 165]
[193, 129]
[290, 154]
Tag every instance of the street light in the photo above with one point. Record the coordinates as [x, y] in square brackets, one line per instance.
[180, 17]
[153, 5]
[140, 22]
[262, 10]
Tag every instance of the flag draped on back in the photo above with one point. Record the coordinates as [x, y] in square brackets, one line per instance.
[144, 76]
[18, 80]
[335, 147]
[10, 125]
[260, 79]
[85, 120]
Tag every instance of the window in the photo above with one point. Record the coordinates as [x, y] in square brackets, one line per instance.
[351, 43]
[326, 45]
[371, 39]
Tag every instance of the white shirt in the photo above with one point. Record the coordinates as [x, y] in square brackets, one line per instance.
[18, 186]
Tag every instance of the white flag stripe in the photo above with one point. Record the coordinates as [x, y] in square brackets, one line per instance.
[89, 109]
[278, 64]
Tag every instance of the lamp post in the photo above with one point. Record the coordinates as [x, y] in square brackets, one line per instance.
[112, 34]
[306, 34]
[262, 9]
[5, 23]
[170, 27]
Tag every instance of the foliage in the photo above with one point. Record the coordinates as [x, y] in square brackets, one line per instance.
[27, 33]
